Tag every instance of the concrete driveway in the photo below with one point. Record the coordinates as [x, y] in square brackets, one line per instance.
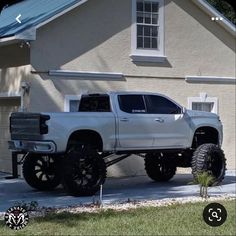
[115, 190]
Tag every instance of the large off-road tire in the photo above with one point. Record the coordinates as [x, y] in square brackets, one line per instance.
[209, 158]
[158, 169]
[84, 172]
[42, 172]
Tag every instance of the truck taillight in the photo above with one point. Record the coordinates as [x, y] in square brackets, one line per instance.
[43, 125]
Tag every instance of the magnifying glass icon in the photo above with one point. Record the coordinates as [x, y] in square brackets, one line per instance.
[214, 214]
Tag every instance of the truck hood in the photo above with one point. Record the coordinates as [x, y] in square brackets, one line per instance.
[193, 113]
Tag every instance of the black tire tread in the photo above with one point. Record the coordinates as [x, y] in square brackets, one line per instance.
[69, 184]
[152, 167]
[199, 160]
[29, 175]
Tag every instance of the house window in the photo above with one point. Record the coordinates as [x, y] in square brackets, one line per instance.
[203, 106]
[147, 24]
[147, 30]
[203, 103]
[71, 103]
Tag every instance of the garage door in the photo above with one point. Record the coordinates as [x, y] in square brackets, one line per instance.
[7, 105]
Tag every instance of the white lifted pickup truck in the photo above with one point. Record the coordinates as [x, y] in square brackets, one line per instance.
[76, 148]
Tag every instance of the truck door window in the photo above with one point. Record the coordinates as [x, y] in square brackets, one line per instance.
[91, 103]
[132, 103]
[161, 105]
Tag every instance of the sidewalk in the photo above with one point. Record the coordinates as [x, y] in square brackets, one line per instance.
[115, 190]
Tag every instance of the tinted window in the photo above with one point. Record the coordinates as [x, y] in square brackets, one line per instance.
[132, 103]
[93, 103]
[161, 105]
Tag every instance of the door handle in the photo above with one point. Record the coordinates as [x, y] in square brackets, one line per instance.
[124, 119]
[160, 120]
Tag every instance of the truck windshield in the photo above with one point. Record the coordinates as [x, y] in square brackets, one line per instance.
[95, 103]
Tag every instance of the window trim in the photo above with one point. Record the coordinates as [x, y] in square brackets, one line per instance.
[203, 98]
[67, 100]
[148, 55]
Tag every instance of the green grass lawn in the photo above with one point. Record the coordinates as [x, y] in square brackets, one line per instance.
[177, 219]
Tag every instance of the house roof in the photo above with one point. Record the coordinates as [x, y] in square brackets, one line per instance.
[212, 12]
[33, 13]
[37, 13]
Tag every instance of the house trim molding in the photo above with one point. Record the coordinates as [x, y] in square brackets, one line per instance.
[10, 95]
[14, 95]
[210, 79]
[8, 40]
[86, 74]
[143, 58]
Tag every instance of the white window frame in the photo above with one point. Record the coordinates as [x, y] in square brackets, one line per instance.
[147, 55]
[67, 100]
[203, 98]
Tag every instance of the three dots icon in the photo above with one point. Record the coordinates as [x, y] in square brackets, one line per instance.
[216, 18]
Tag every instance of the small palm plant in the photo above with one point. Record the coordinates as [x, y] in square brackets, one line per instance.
[205, 180]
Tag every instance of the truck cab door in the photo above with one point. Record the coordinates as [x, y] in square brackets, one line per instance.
[168, 122]
[134, 124]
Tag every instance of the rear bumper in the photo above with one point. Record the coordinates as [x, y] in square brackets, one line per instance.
[32, 146]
